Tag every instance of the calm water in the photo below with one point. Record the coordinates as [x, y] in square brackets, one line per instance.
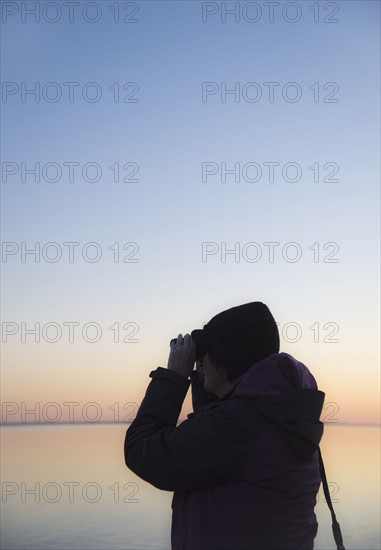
[86, 498]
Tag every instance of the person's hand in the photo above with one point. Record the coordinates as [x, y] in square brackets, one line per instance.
[182, 355]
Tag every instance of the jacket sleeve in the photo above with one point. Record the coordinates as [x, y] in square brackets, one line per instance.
[209, 448]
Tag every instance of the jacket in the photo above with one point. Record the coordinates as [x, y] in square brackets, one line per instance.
[244, 467]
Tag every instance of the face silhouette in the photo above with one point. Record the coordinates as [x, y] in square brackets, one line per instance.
[215, 379]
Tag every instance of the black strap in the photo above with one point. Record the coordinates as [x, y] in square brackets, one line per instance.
[335, 525]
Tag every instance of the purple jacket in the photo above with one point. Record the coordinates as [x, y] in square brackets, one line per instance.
[244, 468]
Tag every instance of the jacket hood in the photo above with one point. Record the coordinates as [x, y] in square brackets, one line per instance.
[286, 393]
[275, 374]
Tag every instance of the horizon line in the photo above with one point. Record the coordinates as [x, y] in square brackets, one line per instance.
[81, 423]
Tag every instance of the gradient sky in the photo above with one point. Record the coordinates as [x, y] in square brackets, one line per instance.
[170, 211]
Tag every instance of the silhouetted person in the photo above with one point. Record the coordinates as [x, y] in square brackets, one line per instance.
[244, 466]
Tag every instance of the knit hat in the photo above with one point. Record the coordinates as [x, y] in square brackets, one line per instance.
[238, 337]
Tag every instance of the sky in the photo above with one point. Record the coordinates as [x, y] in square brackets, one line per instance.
[170, 141]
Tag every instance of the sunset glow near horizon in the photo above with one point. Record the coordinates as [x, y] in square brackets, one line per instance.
[199, 225]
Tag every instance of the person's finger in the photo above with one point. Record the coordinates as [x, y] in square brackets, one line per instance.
[180, 339]
[188, 342]
[192, 343]
[172, 342]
